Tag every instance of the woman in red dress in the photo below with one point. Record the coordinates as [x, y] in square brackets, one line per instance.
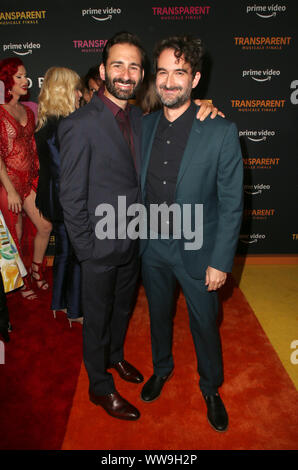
[19, 169]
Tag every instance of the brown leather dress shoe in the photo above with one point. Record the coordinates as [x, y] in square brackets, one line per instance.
[115, 406]
[128, 372]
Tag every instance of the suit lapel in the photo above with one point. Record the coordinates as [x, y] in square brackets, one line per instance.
[113, 129]
[150, 124]
[149, 130]
[135, 122]
[190, 149]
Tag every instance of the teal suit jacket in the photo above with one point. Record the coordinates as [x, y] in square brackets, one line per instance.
[211, 173]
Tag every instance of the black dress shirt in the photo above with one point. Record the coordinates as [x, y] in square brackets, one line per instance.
[166, 155]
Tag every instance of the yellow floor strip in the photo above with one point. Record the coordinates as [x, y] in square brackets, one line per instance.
[272, 292]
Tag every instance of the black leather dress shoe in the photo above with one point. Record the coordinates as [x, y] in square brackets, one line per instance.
[127, 372]
[152, 389]
[115, 406]
[216, 413]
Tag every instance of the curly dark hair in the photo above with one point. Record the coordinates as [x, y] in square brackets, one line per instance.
[187, 46]
[124, 38]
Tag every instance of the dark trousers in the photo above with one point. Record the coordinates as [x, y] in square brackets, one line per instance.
[108, 294]
[4, 315]
[162, 267]
[66, 275]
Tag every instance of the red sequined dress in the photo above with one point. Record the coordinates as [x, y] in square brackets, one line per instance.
[19, 155]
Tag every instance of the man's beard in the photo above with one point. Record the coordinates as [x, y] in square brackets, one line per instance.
[176, 101]
[121, 94]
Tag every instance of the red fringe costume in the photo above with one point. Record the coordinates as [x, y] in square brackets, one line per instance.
[19, 155]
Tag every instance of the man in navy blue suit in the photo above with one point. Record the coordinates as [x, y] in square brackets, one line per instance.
[100, 160]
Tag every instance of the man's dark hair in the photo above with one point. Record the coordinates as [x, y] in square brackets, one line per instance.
[124, 38]
[93, 73]
[187, 46]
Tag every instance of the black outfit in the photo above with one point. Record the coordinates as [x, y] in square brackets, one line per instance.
[47, 195]
[166, 155]
[97, 166]
[167, 151]
[66, 269]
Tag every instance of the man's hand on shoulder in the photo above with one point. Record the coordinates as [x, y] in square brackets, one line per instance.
[206, 108]
[215, 278]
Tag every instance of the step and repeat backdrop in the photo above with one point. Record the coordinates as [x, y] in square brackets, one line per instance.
[250, 74]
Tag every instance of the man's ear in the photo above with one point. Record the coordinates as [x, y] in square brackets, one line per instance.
[196, 79]
[102, 72]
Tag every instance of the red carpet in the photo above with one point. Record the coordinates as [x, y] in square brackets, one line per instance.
[38, 380]
[44, 402]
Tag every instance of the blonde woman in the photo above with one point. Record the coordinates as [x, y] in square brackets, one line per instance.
[59, 96]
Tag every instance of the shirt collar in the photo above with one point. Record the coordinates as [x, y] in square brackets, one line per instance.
[187, 116]
[113, 107]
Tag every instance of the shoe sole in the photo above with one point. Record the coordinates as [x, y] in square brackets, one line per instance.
[156, 398]
[217, 430]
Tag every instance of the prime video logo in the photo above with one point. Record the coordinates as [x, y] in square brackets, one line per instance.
[249, 239]
[254, 189]
[186, 221]
[260, 75]
[102, 14]
[21, 48]
[266, 11]
[257, 135]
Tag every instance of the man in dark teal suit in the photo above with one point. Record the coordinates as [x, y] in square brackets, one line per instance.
[195, 166]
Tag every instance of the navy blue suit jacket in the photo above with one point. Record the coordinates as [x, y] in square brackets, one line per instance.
[96, 168]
